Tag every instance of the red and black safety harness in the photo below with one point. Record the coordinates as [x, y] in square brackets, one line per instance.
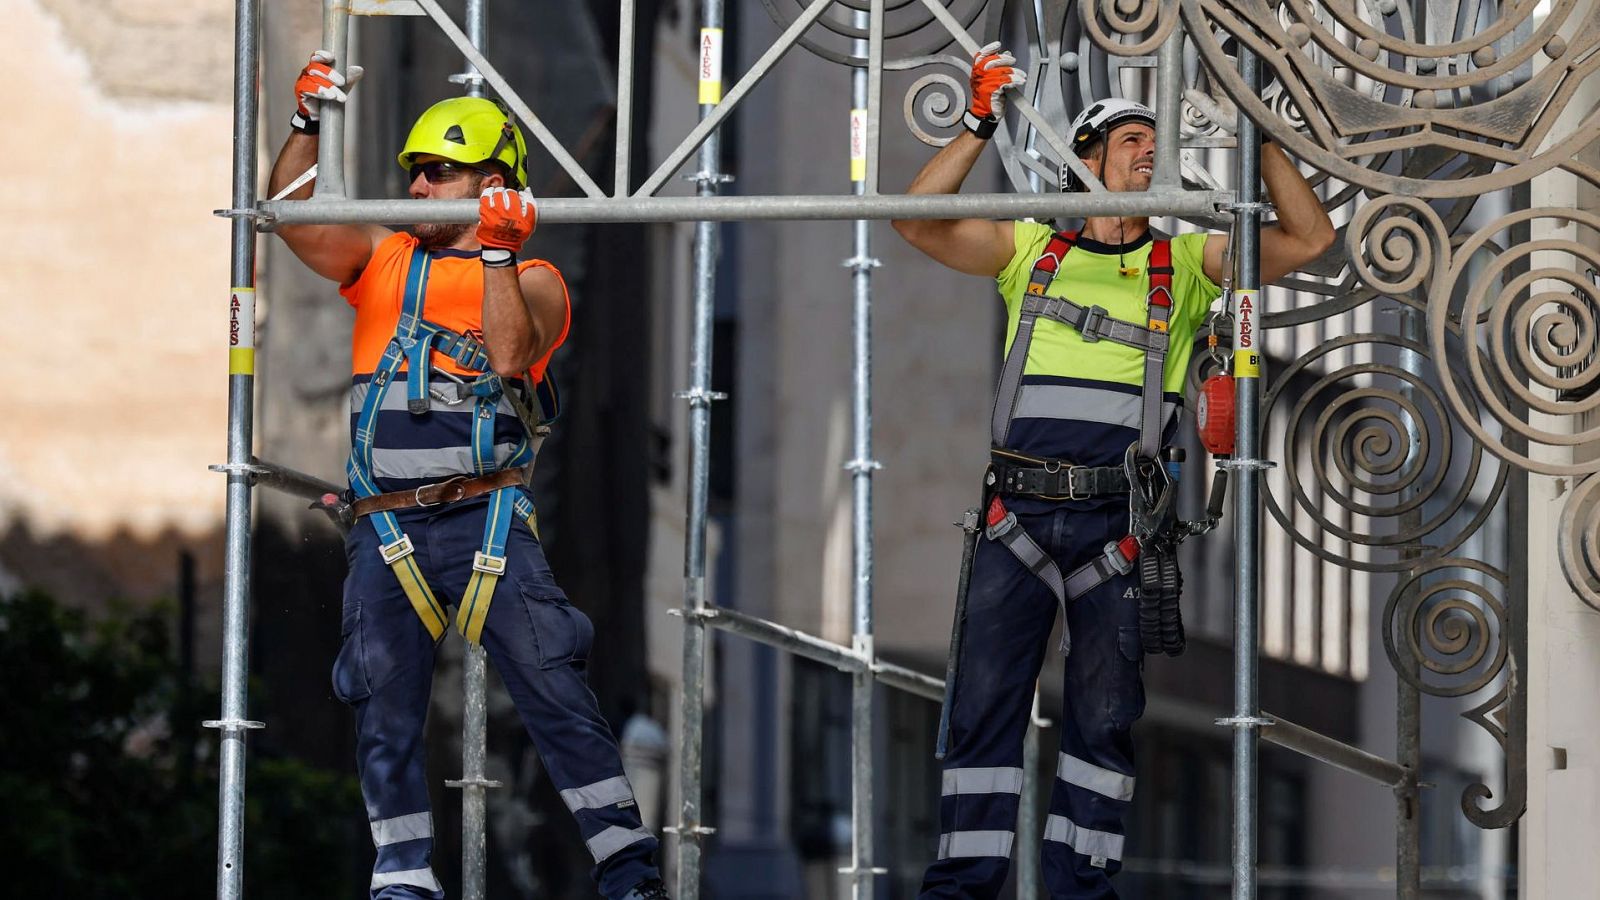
[1154, 531]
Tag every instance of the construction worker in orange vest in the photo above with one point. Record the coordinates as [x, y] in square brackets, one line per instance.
[1101, 325]
[448, 401]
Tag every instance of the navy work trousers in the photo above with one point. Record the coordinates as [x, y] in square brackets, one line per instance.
[1010, 613]
[538, 642]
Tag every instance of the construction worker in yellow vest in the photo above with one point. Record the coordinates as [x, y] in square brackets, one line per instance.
[1100, 328]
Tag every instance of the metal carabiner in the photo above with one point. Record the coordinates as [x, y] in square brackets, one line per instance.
[1150, 493]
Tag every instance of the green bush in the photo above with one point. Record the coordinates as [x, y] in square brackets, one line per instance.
[110, 788]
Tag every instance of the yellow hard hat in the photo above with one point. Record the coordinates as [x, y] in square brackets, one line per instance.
[469, 130]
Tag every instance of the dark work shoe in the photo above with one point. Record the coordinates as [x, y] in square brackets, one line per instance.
[648, 889]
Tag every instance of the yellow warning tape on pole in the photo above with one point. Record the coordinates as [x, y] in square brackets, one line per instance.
[858, 145]
[242, 332]
[710, 66]
[1246, 352]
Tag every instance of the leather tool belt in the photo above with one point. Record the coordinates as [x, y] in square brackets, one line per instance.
[1053, 479]
[452, 491]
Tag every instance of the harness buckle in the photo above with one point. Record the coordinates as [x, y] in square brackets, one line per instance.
[1121, 554]
[998, 520]
[393, 553]
[1093, 319]
[490, 565]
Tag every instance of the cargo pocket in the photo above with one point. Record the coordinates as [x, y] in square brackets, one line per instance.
[1127, 703]
[351, 682]
[562, 634]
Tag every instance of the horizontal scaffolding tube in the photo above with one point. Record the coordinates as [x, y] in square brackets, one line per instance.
[291, 482]
[734, 209]
[1336, 753]
[824, 651]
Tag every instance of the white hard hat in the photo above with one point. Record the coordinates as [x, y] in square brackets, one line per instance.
[1101, 116]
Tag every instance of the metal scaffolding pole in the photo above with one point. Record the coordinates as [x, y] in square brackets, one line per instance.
[1029, 831]
[1169, 91]
[330, 184]
[690, 830]
[706, 208]
[864, 119]
[1246, 720]
[474, 781]
[233, 723]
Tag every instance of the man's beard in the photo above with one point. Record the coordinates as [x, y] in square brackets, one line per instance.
[434, 236]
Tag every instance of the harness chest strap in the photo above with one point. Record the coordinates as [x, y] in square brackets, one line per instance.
[1155, 356]
[1093, 323]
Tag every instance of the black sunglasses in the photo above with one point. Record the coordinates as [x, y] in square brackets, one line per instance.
[442, 171]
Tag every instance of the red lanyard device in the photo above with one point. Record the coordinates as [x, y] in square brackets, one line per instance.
[1214, 410]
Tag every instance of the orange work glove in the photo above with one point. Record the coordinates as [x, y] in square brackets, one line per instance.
[993, 72]
[505, 219]
[318, 82]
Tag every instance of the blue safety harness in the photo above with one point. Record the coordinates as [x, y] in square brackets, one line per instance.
[414, 341]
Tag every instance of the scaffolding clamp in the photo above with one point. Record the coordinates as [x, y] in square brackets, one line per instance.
[859, 872]
[469, 79]
[699, 397]
[704, 178]
[260, 215]
[250, 469]
[861, 264]
[1245, 722]
[233, 725]
[1255, 208]
[694, 833]
[859, 466]
[465, 783]
[1253, 464]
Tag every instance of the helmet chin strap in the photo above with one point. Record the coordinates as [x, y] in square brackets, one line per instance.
[508, 138]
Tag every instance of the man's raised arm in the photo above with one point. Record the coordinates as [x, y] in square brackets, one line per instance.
[336, 252]
[973, 246]
[1302, 233]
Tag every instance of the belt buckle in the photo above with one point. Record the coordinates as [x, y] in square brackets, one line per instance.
[1072, 485]
[417, 494]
